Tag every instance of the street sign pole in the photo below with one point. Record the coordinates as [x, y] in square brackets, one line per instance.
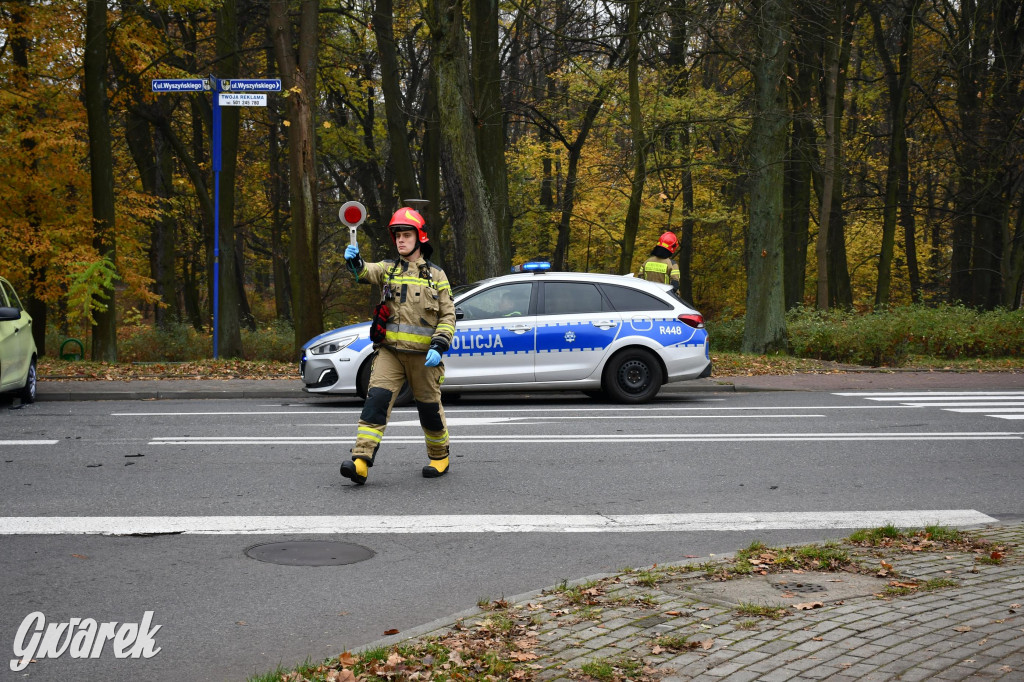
[215, 158]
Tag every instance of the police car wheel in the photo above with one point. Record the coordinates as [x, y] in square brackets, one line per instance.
[363, 385]
[632, 376]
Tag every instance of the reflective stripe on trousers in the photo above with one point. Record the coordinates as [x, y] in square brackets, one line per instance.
[391, 369]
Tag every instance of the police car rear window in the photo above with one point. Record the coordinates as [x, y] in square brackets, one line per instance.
[571, 298]
[629, 299]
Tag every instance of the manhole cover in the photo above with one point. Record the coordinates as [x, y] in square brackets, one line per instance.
[799, 587]
[309, 553]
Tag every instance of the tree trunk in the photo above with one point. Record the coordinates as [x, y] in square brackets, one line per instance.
[829, 103]
[765, 321]
[432, 180]
[20, 42]
[799, 166]
[480, 233]
[686, 232]
[636, 126]
[490, 114]
[101, 169]
[151, 153]
[298, 75]
[396, 120]
[282, 285]
[898, 80]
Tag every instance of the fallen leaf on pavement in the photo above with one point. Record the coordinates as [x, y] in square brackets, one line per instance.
[80, 556]
[392, 631]
[523, 656]
[808, 605]
[963, 628]
[787, 595]
[707, 644]
[657, 650]
[673, 613]
[818, 639]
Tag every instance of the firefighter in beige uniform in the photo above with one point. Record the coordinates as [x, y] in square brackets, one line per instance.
[419, 329]
[660, 267]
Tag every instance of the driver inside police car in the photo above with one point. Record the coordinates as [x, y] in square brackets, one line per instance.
[507, 305]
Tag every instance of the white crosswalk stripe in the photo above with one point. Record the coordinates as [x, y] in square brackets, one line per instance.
[999, 404]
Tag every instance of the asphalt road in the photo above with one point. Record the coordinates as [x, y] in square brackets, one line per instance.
[225, 616]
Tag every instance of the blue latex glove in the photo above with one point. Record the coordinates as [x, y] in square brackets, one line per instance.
[433, 358]
[351, 252]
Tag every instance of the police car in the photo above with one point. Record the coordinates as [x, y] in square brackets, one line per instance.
[610, 336]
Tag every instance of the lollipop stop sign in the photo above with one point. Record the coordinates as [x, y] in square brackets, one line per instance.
[352, 214]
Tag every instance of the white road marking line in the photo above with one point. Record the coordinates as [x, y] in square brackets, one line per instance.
[608, 438]
[489, 523]
[924, 400]
[986, 409]
[968, 404]
[999, 404]
[356, 410]
[859, 394]
[28, 442]
[483, 421]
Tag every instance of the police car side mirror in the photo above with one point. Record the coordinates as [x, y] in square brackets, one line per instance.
[459, 314]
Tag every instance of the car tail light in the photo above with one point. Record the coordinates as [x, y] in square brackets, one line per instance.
[695, 321]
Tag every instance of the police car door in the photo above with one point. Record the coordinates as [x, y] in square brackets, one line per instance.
[575, 327]
[494, 337]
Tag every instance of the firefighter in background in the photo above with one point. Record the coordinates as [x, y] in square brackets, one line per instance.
[660, 267]
[414, 326]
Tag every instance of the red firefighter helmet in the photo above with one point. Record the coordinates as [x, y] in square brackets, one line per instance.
[410, 219]
[669, 241]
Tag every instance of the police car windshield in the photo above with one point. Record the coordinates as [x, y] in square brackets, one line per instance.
[461, 289]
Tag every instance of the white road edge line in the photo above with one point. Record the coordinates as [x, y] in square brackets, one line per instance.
[927, 393]
[492, 523]
[28, 442]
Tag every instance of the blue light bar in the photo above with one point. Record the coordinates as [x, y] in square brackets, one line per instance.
[532, 266]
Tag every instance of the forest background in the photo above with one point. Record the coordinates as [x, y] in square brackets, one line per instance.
[858, 155]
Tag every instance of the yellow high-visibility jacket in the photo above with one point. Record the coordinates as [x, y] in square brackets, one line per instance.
[662, 270]
[422, 308]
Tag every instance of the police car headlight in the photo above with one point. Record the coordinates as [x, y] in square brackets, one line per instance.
[329, 347]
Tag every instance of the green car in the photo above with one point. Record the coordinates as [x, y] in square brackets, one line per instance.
[17, 347]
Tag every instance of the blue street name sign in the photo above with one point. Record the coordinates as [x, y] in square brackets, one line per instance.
[180, 84]
[227, 92]
[251, 85]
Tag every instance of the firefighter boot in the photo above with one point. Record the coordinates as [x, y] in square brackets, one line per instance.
[437, 467]
[357, 469]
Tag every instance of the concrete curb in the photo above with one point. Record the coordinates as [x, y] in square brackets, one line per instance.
[962, 631]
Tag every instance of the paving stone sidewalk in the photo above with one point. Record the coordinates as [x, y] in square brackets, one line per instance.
[673, 628]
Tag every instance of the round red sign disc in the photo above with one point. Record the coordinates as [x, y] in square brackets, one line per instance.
[353, 215]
